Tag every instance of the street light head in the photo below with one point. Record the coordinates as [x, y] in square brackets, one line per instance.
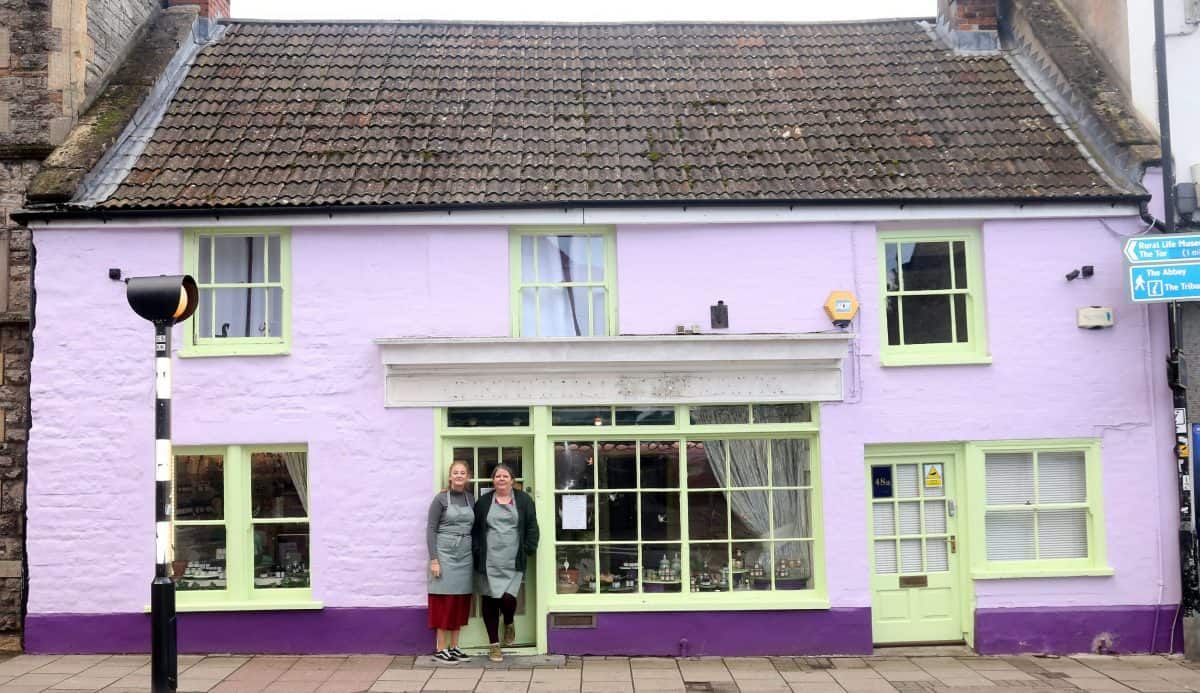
[170, 299]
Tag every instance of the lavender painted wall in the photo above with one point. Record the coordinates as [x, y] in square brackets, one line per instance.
[90, 509]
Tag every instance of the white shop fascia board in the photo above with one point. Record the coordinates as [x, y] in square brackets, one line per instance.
[645, 369]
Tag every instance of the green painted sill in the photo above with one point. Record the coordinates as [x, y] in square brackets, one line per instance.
[902, 360]
[258, 605]
[203, 351]
[1035, 573]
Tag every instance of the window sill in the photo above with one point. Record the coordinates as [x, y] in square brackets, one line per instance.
[685, 601]
[1035, 573]
[192, 351]
[298, 605]
[904, 360]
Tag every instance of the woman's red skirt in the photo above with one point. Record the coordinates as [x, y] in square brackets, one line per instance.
[449, 611]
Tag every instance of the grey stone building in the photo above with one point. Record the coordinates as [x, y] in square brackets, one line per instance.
[59, 62]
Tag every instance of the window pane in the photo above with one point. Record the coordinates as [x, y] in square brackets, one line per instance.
[204, 261]
[707, 517]
[710, 567]
[793, 565]
[1009, 478]
[910, 518]
[751, 518]
[883, 517]
[550, 261]
[891, 252]
[204, 314]
[597, 258]
[1009, 535]
[660, 516]
[925, 266]
[782, 413]
[893, 320]
[1062, 477]
[937, 558]
[720, 414]
[574, 466]
[935, 517]
[792, 514]
[279, 484]
[961, 324]
[910, 556]
[459, 417]
[618, 465]
[575, 248]
[529, 313]
[599, 314]
[747, 554]
[199, 558]
[619, 569]
[580, 416]
[512, 458]
[618, 516]
[659, 463]
[885, 557]
[790, 463]
[562, 312]
[527, 274]
[645, 416]
[586, 534]
[960, 265]
[926, 319]
[576, 569]
[281, 555]
[241, 312]
[234, 255]
[662, 569]
[199, 487]
[907, 481]
[273, 258]
[705, 464]
[1062, 533]
[747, 463]
[485, 462]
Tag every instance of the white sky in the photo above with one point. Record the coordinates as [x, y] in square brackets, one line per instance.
[597, 11]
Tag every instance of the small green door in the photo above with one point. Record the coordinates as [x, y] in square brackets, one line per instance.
[914, 549]
[483, 455]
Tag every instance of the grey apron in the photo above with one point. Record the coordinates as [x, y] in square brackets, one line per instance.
[454, 549]
[502, 576]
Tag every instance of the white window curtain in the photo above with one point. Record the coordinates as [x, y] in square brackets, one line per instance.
[238, 311]
[1061, 478]
[297, 467]
[562, 311]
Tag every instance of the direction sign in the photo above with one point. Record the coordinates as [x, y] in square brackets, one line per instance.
[1165, 248]
[1177, 281]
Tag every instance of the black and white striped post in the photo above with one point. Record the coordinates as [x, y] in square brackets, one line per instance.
[164, 301]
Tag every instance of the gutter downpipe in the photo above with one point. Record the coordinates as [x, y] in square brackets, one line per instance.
[1176, 369]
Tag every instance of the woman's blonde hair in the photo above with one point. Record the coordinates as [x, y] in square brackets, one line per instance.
[458, 463]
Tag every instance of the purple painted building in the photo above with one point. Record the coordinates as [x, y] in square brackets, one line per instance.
[771, 321]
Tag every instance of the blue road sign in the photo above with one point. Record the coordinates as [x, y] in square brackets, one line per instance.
[1165, 248]
[1177, 281]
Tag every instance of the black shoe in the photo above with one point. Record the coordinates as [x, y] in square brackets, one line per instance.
[458, 654]
[445, 656]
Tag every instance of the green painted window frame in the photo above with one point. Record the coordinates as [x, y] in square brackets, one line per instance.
[239, 593]
[193, 343]
[517, 282]
[1096, 562]
[544, 435]
[974, 350]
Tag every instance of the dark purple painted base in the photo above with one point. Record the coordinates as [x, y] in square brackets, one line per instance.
[1071, 630]
[328, 631]
[728, 633]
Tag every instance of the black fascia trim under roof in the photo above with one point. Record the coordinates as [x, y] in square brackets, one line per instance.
[22, 216]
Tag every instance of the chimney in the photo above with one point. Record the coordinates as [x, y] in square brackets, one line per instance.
[969, 25]
[210, 11]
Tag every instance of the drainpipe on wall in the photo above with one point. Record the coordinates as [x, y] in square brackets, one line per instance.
[1176, 370]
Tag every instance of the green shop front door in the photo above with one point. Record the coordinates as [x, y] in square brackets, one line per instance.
[483, 455]
[913, 521]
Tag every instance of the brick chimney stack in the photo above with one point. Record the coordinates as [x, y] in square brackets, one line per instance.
[210, 12]
[969, 25]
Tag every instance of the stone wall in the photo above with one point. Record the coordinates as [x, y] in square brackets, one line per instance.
[24, 63]
[110, 26]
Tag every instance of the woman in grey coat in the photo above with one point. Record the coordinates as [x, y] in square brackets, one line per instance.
[448, 537]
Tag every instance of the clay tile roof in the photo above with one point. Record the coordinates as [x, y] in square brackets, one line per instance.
[303, 114]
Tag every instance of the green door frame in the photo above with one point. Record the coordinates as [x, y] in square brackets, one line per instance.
[958, 478]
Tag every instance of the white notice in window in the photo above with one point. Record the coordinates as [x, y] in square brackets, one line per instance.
[574, 512]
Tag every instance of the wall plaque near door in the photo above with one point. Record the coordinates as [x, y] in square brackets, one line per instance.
[881, 481]
[914, 581]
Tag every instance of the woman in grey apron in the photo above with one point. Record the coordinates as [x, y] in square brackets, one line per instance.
[505, 534]
[448, 537]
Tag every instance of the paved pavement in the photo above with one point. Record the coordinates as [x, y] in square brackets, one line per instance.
[890, 671]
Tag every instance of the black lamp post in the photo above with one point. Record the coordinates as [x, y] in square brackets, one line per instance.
[164, 301]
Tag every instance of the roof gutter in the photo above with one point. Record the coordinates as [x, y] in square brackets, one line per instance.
[25, 216]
